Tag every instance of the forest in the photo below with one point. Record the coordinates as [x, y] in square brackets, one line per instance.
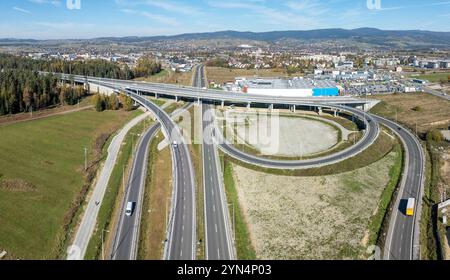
[23, 88]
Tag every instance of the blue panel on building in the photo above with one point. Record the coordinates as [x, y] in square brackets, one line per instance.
[325, 92]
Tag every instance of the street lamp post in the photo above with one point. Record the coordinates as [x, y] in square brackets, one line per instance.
[234, 222]
[166, 212]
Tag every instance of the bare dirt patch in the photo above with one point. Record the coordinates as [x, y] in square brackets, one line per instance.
[323, 217]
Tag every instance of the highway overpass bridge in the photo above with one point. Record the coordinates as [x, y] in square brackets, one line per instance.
[402, 240]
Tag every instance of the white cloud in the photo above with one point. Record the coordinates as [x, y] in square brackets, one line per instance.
[169, 6]
[289, 17]
[51, 2]
[154, 17]
[21, 10]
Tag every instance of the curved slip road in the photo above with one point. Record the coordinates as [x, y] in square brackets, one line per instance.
[402, 241]
[181, 243]
[403, 233]
[370, 135]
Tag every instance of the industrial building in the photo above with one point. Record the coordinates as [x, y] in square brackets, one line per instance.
[296, 87]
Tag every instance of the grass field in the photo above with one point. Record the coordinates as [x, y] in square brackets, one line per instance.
[222, 75]
[324, 217]
[112, 201]
[382, 146]
[244, 247]
[158, 191]
[170, 77]
[426, 110]
[48, 154]
[433, 77]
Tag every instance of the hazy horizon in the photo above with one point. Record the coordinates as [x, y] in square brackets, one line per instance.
[61, 19]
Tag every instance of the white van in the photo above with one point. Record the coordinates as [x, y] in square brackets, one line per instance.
[130, 208]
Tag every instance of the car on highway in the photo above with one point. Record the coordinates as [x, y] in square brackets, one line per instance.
[175, 144]
[410, 207]
[129, 209]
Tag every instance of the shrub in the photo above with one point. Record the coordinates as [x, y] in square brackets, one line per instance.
[435, 135]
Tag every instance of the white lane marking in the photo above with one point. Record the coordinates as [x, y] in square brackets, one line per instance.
[181, 253]
[218, 253]
[216, 228]
[214, 208]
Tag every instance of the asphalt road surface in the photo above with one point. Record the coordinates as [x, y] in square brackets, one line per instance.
[218, 239]
[181, 242]
[402, 242]
[89, 220]
[437, 93]
[402, 239]
[127, 237]
[370, 135]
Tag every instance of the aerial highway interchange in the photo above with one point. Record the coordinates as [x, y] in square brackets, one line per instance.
[403, 234]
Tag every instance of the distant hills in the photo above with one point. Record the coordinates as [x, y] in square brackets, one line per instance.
[371, 36]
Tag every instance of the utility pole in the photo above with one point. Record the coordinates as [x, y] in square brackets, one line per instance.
[123, 178]
[103, 247]
[85, 159]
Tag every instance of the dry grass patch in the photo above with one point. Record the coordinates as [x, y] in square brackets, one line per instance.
[426, 110]
[16, 185]
[324, 217]
[170, 77]
[222, 75]
[158, 191]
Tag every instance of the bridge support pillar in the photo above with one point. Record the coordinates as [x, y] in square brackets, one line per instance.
[156, 96]
[249, 106]
[87, 87]
[176, 98]
[271, 108]
[319, 110]
[335, 113]
[293, 108]
[199, 102]
[222, 104]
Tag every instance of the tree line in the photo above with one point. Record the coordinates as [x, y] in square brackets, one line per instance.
[146, 66]
[104, 102]
[26, 90]
[23, 89]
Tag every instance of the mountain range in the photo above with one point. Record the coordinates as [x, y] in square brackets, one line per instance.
[371, 36]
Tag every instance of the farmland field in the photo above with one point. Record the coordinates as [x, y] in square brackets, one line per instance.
[43, 161]
[222, 75]
[426, 110]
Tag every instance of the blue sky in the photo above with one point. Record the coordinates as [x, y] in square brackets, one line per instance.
[51, 19]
